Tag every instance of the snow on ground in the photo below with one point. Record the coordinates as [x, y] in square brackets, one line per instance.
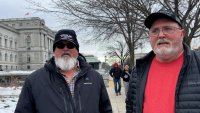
[8, 99]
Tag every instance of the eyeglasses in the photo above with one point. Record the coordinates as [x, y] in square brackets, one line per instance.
[165, 30]
[62, 45]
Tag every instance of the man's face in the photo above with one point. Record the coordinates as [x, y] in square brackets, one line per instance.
[166, 38]
[65, 49]
[65, 55]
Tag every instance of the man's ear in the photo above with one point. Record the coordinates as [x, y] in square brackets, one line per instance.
[183, 33]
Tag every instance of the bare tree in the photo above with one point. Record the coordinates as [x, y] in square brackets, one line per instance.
[189, 13]
[112, 19]
[118, 49]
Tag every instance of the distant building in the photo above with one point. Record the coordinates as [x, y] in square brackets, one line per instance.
[93, 61]
[25, 43]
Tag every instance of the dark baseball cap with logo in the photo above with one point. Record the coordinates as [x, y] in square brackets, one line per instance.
[162, 13]
[66, 35]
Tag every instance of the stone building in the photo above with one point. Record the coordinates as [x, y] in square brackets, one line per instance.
[25, 43]
[93, 61]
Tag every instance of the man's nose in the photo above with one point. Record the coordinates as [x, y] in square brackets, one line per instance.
[161, 34]
[65, 47]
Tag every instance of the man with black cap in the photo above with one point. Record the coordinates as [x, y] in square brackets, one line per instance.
[66, 84]
[166, 80]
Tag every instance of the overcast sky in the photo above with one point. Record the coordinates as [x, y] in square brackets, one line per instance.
[20, 9]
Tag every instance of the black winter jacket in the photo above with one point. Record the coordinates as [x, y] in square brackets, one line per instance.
[126, 76]
[46, 91]
[187, 95]
[115, 73]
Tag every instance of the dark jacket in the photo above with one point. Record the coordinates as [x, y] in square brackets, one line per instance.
[116, 73]
[126, 76]
[187, 95]
[46, 91]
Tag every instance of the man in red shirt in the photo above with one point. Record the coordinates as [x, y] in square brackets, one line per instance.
[167, 80]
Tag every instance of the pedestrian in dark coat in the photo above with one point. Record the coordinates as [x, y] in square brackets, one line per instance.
[116, 73]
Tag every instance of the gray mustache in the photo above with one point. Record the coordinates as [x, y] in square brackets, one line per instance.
[66, 54]
[162, 41]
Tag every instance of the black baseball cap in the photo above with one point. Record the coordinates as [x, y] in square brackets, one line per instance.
[162, 13]
[66, 35]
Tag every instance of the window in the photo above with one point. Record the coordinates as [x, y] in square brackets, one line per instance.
[15, 44]
[11, 43]
[15, 58]
[44, 40]
[11, 58]
[28, 67]
[6, 45]
[0, 41]
[6, 57]
[28, 42]
[28, 59]
[0, 56]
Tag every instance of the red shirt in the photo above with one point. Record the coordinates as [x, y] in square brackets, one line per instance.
[160, 88]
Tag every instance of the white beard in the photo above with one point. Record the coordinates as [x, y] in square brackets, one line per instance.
[65, 63]
[165, 52]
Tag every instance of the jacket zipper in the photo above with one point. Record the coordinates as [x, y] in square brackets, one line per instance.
[64, 99]
[71, 110]
[78, 96]
[79, 99]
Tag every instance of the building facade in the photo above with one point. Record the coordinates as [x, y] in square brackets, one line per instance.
[93, 61]
[25, 43]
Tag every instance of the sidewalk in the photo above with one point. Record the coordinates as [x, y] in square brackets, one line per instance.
[118, 102]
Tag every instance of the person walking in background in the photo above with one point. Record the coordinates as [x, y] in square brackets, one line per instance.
[126, 76]
[116, 73]
[66, 83]
[166, 80]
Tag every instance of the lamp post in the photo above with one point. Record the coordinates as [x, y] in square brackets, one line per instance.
[105, 58]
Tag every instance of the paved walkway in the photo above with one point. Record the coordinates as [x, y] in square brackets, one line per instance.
[118, 102]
